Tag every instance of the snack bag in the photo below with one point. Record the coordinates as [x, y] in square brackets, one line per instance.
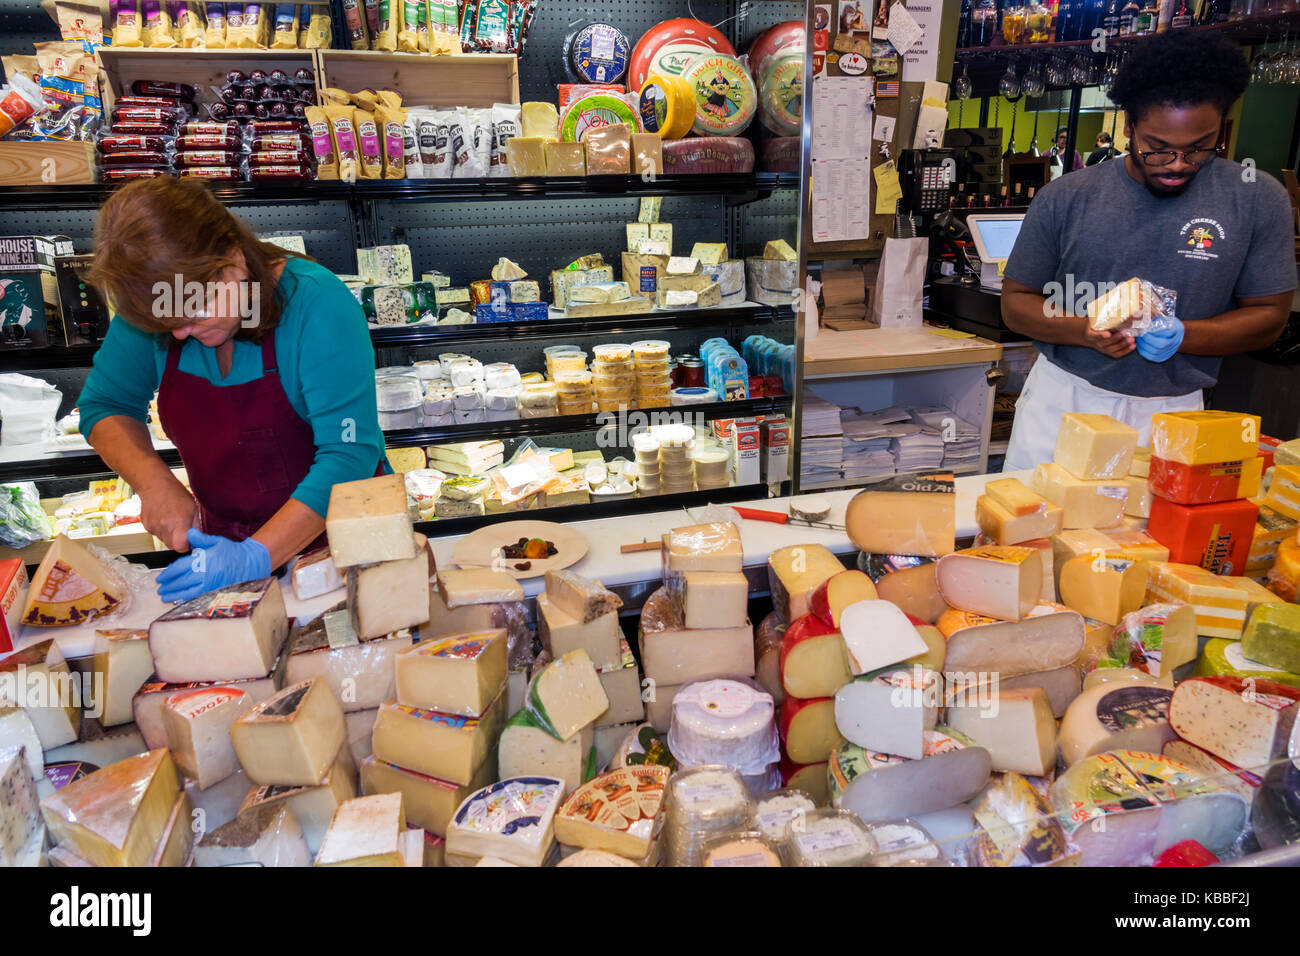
[344, 134]
[214, 37]
[322, 144]
[285, 34]
[126, 25]
[390, 119]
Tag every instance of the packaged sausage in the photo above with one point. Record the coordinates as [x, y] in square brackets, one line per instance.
[120, 175]
[444, 26]
[250, 31]
[386, 38]
[257, 128]
[234, 24]
[390, 121]
[413, 168]
[293, 141]
[505, 125]
[317, 28]
[162, 115]
[353, 25]
[474, 153]
[126, 25]
[135, 157]
[210, 172]
[322, 145]
[278, 157]
[201, 128]
[157, 24]
[437, 150]
[229, 142]
[114, 143]
[407, 38]
[280, 172]
[372, 156]
[422, 25]
[189, 25]
[372, 16]
[142, 129]
[207, 157]
[345, 140]
[153, 102]
[285, 34]
[214, 37]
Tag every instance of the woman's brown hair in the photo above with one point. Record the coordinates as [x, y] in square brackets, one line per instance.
[155, 230]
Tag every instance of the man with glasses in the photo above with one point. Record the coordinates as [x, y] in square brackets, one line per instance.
[1172, 212]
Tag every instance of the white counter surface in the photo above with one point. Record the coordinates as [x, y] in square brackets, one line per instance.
[604, 560]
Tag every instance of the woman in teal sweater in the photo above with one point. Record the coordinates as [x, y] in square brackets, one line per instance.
[265, 377]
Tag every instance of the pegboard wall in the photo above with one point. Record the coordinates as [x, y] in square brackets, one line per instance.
[22, 23]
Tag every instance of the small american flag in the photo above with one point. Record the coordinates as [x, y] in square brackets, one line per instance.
[887, 88]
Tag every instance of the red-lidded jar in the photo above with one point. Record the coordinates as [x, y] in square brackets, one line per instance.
[689, 372]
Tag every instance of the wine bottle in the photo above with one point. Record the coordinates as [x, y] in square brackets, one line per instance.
[1182, 17]
[1110, 22]
[963, 25]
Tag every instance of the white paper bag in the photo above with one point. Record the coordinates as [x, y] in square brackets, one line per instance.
[900, 284]
[27, 409]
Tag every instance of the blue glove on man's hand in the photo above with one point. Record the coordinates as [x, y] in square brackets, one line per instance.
[1160, 345]
[214, 562]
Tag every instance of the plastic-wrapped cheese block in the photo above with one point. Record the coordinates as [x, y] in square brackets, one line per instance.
[368, 521]
[609, 149]
[724, 722]
[907, 581]
[808, 729]
[513, 819]
[703, 547]
[1086, 503]
[1104, 589]
[888, 711]
[1213, 769]
[829, 837]
[230, 634]
[767, 655]
[1216, 537]
[116, 816]
[526, 749]
[1204, 437]
[462, 674]
[915, 518]
[566, 159]
[618, 812]
[124, 664]
[672, 655]
[268, 835]
[1018, 828]
[814, 661]
[1050, 636]
[429, 802]
[1095, 446]
[1224, 657]
[313, 807]
[293, 738]
[448, 747]
[795, 572]
[1116, 717]
[879, 786]
[1284, 491]
[1246, 722]
[391, 595]
[877, 634]
[708, 154]
[360, 673]
[365, 831]
[198, 732]
[581, 598]
[1003, 527]
[1157, 638]
[314, 574]
[460, 587]
[71, 585]
[1222, 603]
[1017, 729]
[20, 812]
[1204, 484]
[53, 711]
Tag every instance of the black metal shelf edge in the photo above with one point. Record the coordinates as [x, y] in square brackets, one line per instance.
[554, 424]
[748, 185]
[412, 336]
[67, 466]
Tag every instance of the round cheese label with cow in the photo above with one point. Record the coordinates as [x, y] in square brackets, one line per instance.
[725, 96]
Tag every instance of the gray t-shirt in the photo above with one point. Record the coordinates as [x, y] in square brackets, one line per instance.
[1224, 237]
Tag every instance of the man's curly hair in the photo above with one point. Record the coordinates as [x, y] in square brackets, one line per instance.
[1181, 68]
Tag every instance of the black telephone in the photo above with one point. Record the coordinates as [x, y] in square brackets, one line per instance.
[927, 176]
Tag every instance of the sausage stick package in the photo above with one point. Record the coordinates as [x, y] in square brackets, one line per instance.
[355, 27]
[414, 168]
[386, 38]
[126, 26]
[322, 144]
[316, 27]
[390, 119]
[214, 37]
[158, 24]
[408, 40]
[345, 140]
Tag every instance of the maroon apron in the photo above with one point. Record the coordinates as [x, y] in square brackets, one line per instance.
[244, 447]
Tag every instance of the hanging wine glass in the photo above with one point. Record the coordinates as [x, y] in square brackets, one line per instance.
[1079, 71]
[1033, 83]
[1259, 65]
[1057, 74]
[1009, 85]
[962, 87]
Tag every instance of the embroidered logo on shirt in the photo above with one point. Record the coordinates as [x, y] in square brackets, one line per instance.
[1198, 236]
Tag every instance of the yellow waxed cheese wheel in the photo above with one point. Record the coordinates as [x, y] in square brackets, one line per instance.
[667, 106]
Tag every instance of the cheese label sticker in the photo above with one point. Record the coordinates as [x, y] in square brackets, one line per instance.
[1008, 554]
[824, 841]
[1129, 708]
[694, 794]
[673, 58]
[725, 98]
[756, 858]
[461, 649]
[63, 584]
[454, 721]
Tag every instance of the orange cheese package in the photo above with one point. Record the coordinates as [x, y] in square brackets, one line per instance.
[1216, 537]
[609, 149]
[1205, 484]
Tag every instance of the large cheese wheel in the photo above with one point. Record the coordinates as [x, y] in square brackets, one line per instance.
[780, 92]
[1246, 722]
[1050, 636]
[813, 659]
[808, 729]
[1113, 717]
[783, 37]
[725, 96]
[708, 154]
[667, 106]
[669, 46]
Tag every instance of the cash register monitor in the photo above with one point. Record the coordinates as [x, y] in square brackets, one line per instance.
[994, 236]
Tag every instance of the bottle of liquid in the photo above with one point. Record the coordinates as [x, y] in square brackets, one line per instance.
[1095, 21]
[1110, 22]
[983, 22]
[1019, 199]
[1182, 17]
[1127, 17]
[1031, 194]
[963, 25]
[1064, 20]
[1165, 16]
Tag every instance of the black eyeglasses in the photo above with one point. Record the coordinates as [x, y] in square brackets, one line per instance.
[1164, 157]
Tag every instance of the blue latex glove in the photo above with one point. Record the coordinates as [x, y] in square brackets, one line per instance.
[214, 562]
[1160, 346]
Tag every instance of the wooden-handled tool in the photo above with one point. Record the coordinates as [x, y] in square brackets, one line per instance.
[641, 546]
